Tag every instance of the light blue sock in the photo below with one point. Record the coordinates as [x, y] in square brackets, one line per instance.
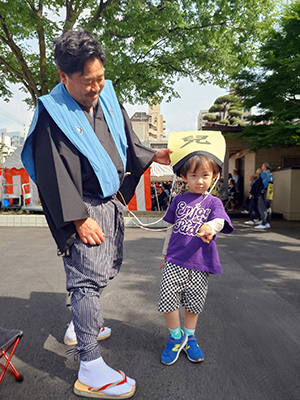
[175, 333]
[189, 332]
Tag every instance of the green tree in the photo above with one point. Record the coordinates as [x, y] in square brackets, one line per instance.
[150, 43]
[275, 87]
[211, 117]
[228, 108]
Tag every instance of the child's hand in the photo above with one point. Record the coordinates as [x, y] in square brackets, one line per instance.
[205, 233]
[163, 263]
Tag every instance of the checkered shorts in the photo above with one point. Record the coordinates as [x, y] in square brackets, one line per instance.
[182, 287]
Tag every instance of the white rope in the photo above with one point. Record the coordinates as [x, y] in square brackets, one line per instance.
[152, 229]
[144, 226]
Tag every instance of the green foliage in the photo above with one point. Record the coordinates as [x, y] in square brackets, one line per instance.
[236, 121]
[211, 117]
[216, 108]
[150, 44]
[226, 99]
[235, 112]
[228, 107]
[275, 87]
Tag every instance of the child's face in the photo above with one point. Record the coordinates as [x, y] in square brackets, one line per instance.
[199, 181]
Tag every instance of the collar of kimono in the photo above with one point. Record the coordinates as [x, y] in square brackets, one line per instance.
[70, 118]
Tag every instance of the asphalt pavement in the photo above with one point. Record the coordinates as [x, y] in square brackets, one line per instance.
[249, 330]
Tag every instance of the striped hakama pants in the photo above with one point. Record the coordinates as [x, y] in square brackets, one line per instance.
[88, 269]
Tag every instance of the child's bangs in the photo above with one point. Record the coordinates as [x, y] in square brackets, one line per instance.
[200, 160]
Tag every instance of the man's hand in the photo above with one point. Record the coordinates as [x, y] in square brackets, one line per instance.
[205, 233]
[89, 231]
[162, 156]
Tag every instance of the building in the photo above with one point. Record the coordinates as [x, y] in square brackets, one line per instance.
[149, 126]
[16, 138]
[156, 127]
[140, 125]
[8, 148]
[26, 129]
[155, 145]
[200, 121]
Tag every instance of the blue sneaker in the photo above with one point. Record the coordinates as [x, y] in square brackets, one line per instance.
[193, 351]
[173, 349]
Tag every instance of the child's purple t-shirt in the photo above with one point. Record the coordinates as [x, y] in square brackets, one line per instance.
[188, 212]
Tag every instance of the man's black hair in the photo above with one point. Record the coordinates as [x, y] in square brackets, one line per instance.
[74, 48]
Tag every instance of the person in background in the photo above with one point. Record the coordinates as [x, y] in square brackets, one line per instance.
[222, 191]
[235, 176]
[232, 193]
[255, 190]
[252, 179]
[163, 197]
[263, 204]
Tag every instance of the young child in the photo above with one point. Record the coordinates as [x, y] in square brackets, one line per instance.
[191, 255]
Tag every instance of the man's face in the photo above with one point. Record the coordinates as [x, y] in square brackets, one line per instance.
[85, 88]
[263, 168]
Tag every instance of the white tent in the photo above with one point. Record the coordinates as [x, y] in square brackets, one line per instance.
[14, 160]
[161, 173]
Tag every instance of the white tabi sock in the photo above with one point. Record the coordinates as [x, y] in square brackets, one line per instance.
[97, 373]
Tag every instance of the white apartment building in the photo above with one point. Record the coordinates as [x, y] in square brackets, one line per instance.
[149, 126]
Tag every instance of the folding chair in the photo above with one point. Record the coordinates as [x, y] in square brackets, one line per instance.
[9, 339]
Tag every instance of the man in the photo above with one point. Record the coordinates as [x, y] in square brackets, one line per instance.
[263, 204]
[235, 176]
[222, 191]
[163, 197]
[237, 182]
[255, 190]
[79, 147]
[247, 202]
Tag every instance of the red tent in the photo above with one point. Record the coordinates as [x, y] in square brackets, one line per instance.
[16, 180]
[141, 200]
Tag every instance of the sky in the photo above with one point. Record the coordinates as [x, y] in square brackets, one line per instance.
[180, 114]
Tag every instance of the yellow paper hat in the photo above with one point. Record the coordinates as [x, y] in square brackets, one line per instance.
[189, 143]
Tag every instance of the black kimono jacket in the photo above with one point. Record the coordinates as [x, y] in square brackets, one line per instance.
[63, 173]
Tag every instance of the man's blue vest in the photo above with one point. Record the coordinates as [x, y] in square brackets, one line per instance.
[70, 118]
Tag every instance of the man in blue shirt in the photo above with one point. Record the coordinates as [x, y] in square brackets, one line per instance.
[264, 205]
